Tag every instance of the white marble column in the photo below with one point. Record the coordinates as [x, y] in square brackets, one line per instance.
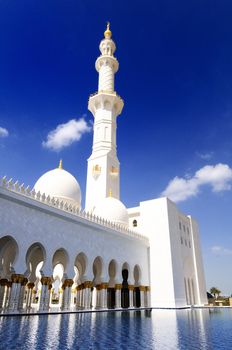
[78, 296]
[131, 295]
[147, 297]
[30, 287]
[7, 295]
[94, 298]
[73, 295]
[87, 294]
[118, 303]
[81, 297]
[22, 293]
[98, 296]
[15, 292]
[3, 283]
[142, 299]
[66, 300]
[103, 295]
[45, 294]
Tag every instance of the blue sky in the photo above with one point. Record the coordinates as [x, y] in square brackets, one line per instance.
[175, 78]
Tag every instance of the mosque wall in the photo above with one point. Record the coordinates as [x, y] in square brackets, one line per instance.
[28, 222]
[198, 263]
[176, 267]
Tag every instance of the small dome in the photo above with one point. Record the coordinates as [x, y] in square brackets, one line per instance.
[60, 184]
[112, 209]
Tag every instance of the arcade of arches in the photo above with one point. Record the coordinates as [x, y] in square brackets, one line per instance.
[31, 289]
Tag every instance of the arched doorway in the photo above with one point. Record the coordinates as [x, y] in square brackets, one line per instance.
[80, 266]
[59, 264]
[125, 301]
[111, 289]
[137, 277]
[35, 258]
[97, 272]
[8, 254]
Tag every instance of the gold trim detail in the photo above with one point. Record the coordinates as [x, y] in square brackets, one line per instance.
[108, 33]
[17, 278]
[60, 164]
[3, 282]
[118, 286]
[96, 170]
[45, 281]
[131, 287]
[67, 283]
[142, 288]
[30, 285]
[114, 171]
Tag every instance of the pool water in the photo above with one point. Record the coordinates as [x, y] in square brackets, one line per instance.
[157, 329]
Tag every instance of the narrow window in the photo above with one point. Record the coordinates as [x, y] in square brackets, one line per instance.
[135, 224]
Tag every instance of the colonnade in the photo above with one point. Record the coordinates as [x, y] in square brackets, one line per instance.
[55, 280]
[18, 295]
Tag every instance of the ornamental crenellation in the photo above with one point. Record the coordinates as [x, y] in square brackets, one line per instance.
[67, 207]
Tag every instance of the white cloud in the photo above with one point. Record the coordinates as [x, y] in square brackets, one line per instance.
[206, 155]
[4, 132]
[65, 134]
[219, 250]
[219, 177]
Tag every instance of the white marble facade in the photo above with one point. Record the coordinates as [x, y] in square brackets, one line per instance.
[54, 254]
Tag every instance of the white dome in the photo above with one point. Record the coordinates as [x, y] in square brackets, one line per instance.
[112, 209]
[60, 184]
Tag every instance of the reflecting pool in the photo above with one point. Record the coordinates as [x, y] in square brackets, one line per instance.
[157, 329]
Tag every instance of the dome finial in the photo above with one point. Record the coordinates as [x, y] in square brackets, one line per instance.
[107, 33]
[60, 164]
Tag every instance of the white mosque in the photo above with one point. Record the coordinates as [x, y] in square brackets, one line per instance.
[53, 253]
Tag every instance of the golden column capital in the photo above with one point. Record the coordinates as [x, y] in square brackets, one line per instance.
[17, 278]
[24, 281]
[131, 287]
[67, 283]
[88, 284]
[3, 282]
[118, 286]
[142, 288]
[103, 285]
[30, 285]
[45, 280]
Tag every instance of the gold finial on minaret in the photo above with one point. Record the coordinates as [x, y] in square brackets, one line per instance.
[110, 193]
[60, 165]
[108, 33]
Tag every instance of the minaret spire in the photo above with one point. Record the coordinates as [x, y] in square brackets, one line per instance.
[60, 164]
[105, 105]
[108, 33]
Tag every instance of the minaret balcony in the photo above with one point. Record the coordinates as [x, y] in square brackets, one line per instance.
[106, 60]
[108, 100]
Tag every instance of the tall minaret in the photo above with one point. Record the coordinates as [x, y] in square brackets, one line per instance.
[103, 175]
